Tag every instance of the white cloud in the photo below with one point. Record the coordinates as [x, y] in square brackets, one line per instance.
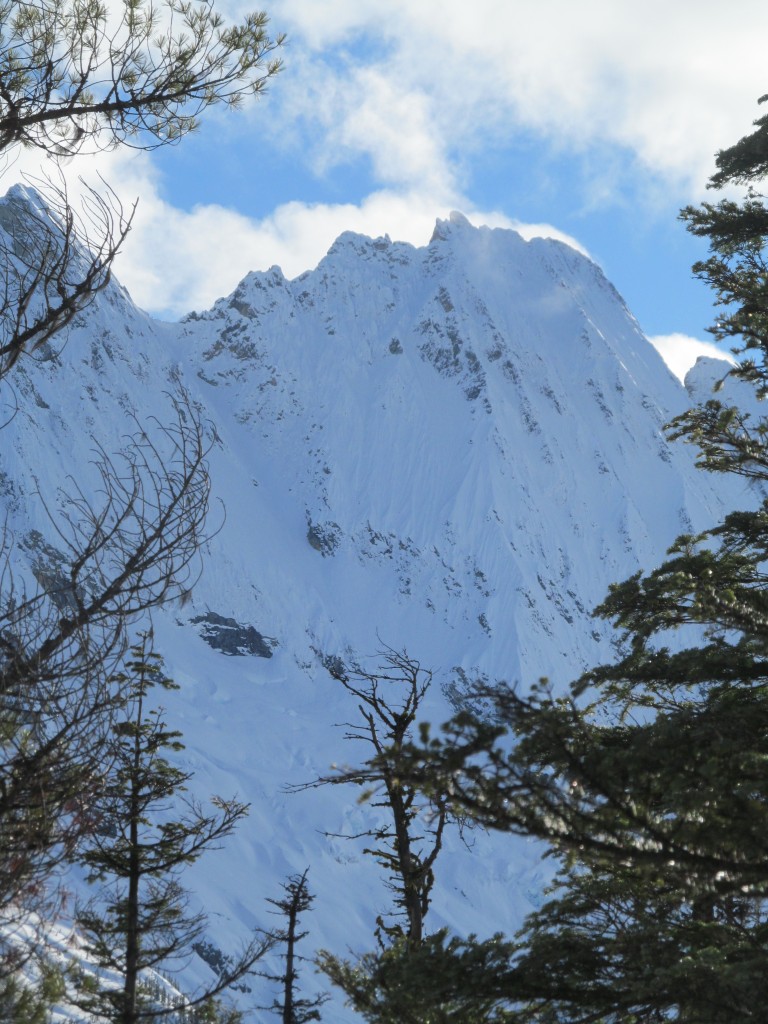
[680, 352]
[529, 231]
[420, 90]
[220, 246]
[177, 260]
[668, 87]
[395, 129]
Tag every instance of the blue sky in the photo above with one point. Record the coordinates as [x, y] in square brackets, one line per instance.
[585, 119]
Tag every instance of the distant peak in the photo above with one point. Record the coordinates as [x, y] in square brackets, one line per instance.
[19, 193]
[706, 376]
[22, 200]
[443, 228]
[359, 243]
[458, 219]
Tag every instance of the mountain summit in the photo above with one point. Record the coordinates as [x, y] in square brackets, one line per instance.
[452, 449]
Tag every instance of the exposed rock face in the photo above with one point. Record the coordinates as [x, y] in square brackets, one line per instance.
[231, 637]
[451, 449]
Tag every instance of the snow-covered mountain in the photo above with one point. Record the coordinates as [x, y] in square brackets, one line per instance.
[451, 449]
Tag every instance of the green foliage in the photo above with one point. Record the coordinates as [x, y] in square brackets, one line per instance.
[22, 1003]
[146, 834]
[212, 1011]
[75, 75]
[297, 900]
[413, 977]
[442, 981]
[649, 779]
[60, 645]
[747, 160]
[26, 1002]
[621, 945]
[409, 839]
[156, 995]
[79, 76]
[735, 268]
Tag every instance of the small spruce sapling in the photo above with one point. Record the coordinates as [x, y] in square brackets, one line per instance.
[146, 834]
[296, 901]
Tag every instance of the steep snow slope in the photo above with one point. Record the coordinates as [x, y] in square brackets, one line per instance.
[452, 449]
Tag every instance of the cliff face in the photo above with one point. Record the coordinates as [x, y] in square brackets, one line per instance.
[453, 449]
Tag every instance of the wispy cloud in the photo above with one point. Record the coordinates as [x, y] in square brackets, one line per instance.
[680, 352]
[667, 87]
[418, 92]
[219, 245]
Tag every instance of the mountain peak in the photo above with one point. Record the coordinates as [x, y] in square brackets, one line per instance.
[455, 449]
[455, 222]
[359, 244]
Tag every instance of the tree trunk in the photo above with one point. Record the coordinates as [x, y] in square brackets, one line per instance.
[132, 909]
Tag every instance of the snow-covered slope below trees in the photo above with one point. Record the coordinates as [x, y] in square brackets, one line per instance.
[452, 449]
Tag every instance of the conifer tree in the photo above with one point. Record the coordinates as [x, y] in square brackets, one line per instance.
[443, 980]
[649, 779]
[293, 1009]
[146, 834]
[403, 980]
[409, 838]
[79, 76]
[62, 642]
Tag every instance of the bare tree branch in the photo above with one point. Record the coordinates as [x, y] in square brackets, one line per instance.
[60, 644]
[389, 700]
[53, 260]
[73, 78]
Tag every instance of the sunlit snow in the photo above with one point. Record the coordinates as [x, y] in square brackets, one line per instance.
[451, 449]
